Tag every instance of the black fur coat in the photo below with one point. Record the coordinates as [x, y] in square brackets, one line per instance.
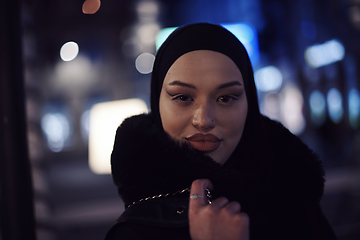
[279, 191]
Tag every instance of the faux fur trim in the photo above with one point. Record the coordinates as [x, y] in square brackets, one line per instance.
[146, 162]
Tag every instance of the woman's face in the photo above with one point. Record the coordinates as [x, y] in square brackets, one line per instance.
[203, 102]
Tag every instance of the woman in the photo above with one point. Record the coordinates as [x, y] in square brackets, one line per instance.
[205, 131]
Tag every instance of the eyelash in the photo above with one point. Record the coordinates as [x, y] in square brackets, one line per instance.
[234, 98]
[178, 97]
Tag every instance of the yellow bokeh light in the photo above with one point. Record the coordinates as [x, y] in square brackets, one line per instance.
[104, 120]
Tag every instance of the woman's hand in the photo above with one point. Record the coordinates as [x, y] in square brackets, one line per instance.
[219, 220]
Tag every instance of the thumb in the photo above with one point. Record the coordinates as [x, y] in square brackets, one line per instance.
[197, 193]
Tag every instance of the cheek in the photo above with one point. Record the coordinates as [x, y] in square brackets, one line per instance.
[233, 128]
[240, 124]
[172, 120]
[234, 123]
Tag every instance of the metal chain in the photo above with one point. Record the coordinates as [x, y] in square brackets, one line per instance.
[208, 195]
[161, 196]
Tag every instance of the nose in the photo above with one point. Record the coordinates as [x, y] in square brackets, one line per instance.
[203, 118]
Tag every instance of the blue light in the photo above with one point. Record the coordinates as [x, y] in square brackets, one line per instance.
[162, 36]
[317, 107]
[354, 107]
[268, 79]
[57, 130]
[324, 54]
[335, 106]
[244, 32]
[247, 36]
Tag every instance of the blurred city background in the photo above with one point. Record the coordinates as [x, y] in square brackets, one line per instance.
[306, 59]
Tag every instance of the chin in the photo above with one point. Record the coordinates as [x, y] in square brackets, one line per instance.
[217, 158]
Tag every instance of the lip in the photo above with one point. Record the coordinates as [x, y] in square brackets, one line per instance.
[204, 143]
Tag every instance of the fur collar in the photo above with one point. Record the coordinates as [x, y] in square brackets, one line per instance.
[146, 162]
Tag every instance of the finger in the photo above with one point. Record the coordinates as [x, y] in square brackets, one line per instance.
[197, 193]
[220, 202]
[233, 207]
[244, 220]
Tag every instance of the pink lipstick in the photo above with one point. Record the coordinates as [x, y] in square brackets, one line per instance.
[204, 143]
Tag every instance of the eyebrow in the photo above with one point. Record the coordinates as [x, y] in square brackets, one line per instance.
[181, 84]
[229, 84]
[225, 85]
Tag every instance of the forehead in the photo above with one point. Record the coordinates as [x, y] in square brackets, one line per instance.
[203, 64]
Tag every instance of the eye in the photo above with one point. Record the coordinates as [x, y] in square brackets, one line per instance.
[226, 98]
[182, 98]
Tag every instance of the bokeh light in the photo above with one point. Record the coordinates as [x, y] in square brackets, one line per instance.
[105, 118]
[317, 107]
[270, 106]
[242, 31]
[144, 63]
[324, 54]
[147, 33]
[335, 105]
[57, 130]
[85, 124]
[69, 51]
[292, 109]
[91, 6]
[354, 107]
[268, 79]
[147, 10]
[162, 36]
[248, 36]
[78, 74]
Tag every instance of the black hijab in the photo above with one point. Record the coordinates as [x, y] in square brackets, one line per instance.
[201, 36]
[205, 36]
